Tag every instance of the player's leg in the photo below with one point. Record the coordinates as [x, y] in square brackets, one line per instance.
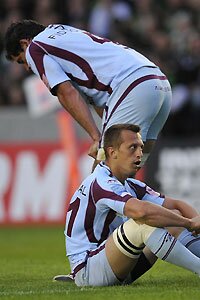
[97, 271]
[190, 241]
[112, 264]
[141, 105]
[127, 241]
[147, 258]
[148, 147]
[161, 116]
[186, 238]
[145, 262]
[129, 251]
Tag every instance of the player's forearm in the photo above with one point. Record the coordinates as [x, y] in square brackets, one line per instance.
[156, 216]
[165, 218]
[72, 101]
[184, 208]
[187, 211]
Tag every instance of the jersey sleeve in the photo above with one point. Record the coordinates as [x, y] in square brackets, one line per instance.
[153, 196]
[111, 195]
[46, 67]
[143, 192]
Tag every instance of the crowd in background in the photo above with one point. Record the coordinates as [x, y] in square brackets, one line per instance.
[166, 31]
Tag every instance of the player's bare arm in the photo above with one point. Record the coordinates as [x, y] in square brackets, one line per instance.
[195, 225]
[155, 215]
[99, 111]
[184, 208]
[73, 102]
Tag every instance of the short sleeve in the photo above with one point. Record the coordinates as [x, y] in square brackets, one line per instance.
[46, 67]
[112, 195]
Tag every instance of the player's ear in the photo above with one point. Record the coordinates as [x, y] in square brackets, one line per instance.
[24, 43]
[112, 153]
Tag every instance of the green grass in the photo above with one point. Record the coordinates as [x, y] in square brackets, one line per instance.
[30, 257]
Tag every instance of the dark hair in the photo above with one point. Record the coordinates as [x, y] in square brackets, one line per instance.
[26, 29]
[112, 136]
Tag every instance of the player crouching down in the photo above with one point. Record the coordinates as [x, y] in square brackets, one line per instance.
[112, 219]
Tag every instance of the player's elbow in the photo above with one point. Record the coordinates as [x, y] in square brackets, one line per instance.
[65, 90]
[137, 210]
[66, 93]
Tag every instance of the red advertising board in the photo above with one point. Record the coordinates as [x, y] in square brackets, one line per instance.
[36, 182]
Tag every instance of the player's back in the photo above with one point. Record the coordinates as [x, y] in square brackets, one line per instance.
[97, 51]
[97, 65]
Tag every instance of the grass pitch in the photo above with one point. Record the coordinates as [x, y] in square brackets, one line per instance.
[30, 257]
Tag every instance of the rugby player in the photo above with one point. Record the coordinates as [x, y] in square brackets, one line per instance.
[80, 68]
[114, 221]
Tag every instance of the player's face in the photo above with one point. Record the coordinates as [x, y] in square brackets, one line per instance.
[129, 154]
[21, 58]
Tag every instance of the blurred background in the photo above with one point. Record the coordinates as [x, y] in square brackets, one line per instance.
[43, 153]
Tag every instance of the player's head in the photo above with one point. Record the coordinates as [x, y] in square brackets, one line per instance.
[113, 135]
[17, 33]
[123, 148]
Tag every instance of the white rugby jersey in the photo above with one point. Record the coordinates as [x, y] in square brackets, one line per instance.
[96, 209]
[95, 65]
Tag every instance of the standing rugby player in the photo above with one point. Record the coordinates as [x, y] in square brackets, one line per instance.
[122, 84]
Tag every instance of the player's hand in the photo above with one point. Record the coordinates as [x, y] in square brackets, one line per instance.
[93, 149]
[195, 225]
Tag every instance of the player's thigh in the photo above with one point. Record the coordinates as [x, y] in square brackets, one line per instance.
[125, 245]
[97, 272]
[140, 106]
[163, 113]
[119, 261]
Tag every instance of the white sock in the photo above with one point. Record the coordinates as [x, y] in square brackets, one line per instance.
[191, 242]
[168, 248]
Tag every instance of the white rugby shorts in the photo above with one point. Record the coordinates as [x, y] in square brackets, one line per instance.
[143, 98]
[96, 271]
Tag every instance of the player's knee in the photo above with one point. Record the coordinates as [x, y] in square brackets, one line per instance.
[130, 237]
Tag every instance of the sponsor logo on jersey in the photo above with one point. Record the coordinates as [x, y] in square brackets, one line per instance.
[152, 192]
[111, 181]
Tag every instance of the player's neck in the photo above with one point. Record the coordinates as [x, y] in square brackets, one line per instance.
[117, 172]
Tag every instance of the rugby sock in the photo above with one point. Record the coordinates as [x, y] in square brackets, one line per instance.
[168, 248]
[191, 242]
[186, 238]
[141, 267]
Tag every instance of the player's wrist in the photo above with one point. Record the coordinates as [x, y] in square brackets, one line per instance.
[96, 137]
[190, 224]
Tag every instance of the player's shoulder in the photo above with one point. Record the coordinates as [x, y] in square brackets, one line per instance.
[105, 179]
[103, 174]
[88, 180]
[54, 31]
[135, 182]
[140, 188]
